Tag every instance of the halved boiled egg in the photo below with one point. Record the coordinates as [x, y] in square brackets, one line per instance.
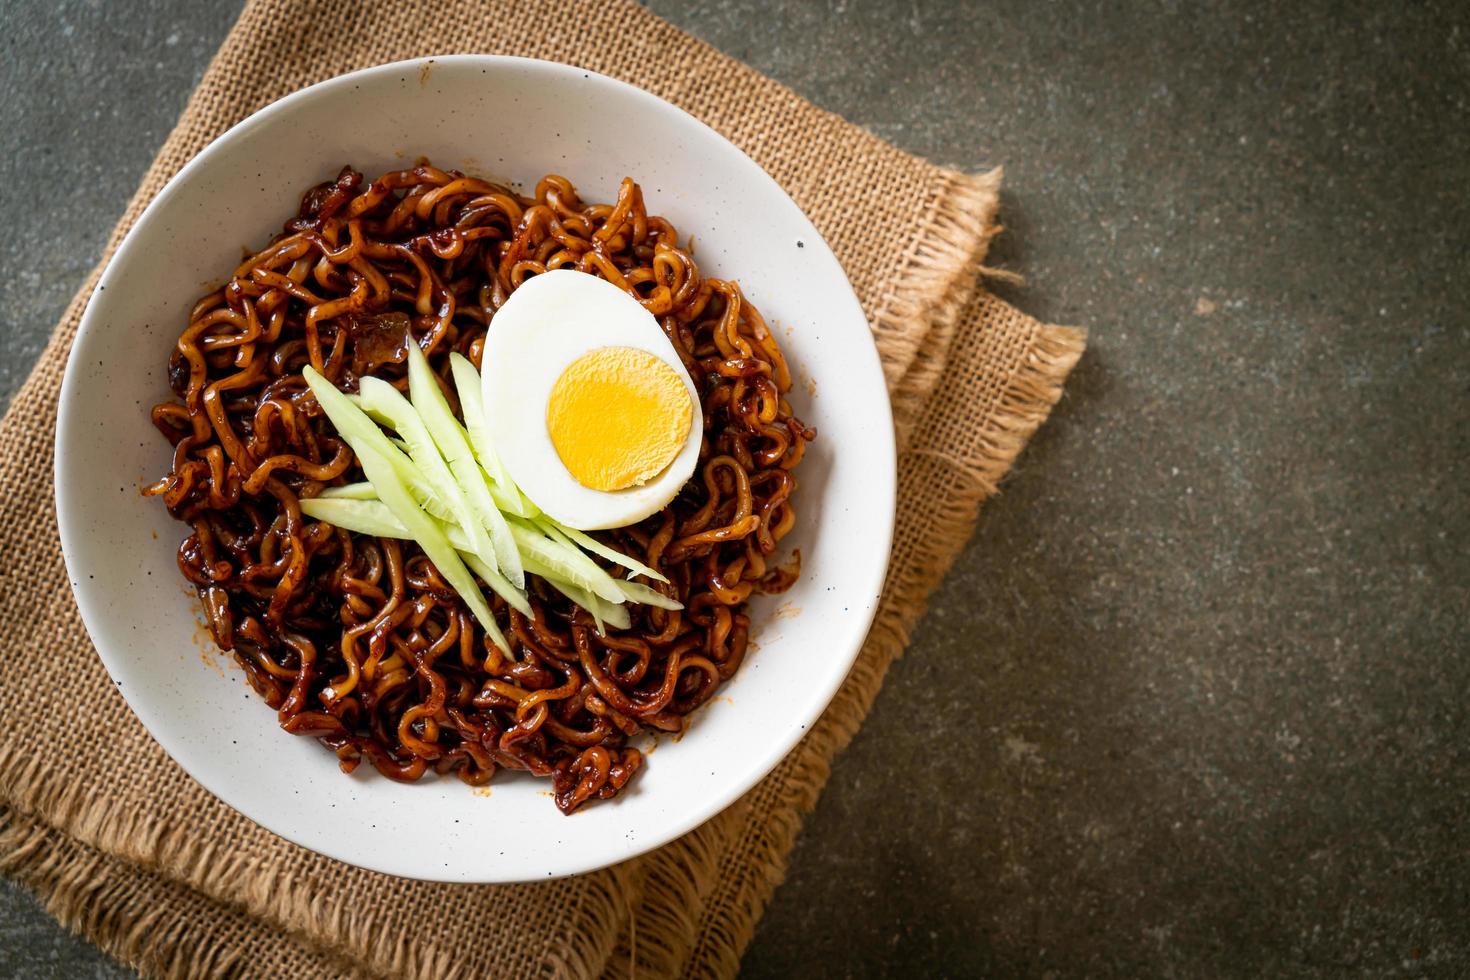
[587, 402]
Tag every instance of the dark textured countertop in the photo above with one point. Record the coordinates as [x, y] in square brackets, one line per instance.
[1195, 701]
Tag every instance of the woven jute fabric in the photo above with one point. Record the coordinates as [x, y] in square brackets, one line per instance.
[126, 848]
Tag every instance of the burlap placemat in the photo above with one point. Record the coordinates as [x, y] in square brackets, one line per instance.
[127, 849]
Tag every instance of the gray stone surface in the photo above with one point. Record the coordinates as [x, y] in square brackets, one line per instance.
[1194, 701]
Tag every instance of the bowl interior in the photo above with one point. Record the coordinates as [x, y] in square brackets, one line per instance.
[513, 120]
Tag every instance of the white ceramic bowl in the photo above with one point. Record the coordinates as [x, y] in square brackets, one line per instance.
[515, 120]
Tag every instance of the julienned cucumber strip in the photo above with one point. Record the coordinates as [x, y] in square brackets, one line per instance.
[513, 596]
[513, 503]
[580, 558]
[467, 384]
[335, 500]
[348, 491]
[642, 594]
[362, 516]
[589, 602]
[472, 479]
[354, 426]
[604, 614]
[500, 535]
[632, 591]
[428, 401]
[365, 491]
[430, 537]
[601, 610]
[588, 543]
[383, 401]
[566, 562]
[472, 406]
[373, 517]
[453, 443]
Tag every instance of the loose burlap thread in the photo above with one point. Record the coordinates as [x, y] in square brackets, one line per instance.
[127, 849]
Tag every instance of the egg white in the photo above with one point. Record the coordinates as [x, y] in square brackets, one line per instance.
[546, 324]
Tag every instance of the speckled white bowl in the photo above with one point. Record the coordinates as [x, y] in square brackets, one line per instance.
[515, 120]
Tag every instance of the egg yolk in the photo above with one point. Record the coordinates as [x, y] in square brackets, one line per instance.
[618, 416]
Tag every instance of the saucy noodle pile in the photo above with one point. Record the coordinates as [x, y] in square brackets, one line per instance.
[358, 641]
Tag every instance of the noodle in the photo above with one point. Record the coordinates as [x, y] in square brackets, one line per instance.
[358, 641]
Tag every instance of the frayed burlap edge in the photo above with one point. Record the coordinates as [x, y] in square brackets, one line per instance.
[719, 941]
[917, 317]
[213, 868]
[75, 889]
[1028, 400]
[141, 919]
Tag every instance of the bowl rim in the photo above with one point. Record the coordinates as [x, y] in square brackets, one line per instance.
[851, 633]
